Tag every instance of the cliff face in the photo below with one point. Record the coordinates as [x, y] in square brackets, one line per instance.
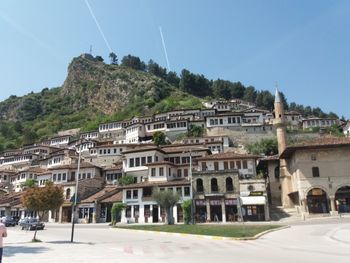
[91, 86]
[109, 88]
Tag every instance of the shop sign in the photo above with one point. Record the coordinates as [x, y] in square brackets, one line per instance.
[317, 191]
[200, 202]
[256, 193]
[230, 201]
[215, 202]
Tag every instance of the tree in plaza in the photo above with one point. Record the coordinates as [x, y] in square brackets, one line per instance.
[116, 210]
[43, 199]
[187, 207]
[159, 138]
[113, 58]
[166, 200]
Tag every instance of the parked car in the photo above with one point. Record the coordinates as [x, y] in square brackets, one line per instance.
[9, 221]
[32, 224]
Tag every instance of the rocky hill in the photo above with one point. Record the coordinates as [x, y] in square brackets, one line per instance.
[93, 92]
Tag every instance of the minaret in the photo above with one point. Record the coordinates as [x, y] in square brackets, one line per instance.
[280, 125]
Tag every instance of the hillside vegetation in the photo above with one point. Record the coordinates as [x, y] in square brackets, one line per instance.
[96, 92]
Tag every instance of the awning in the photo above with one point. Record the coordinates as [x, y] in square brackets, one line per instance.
[253, 200]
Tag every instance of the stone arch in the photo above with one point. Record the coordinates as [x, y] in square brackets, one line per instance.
[68, 193]
[199, 185]
[342, 198]
[229, 184]
[317, 200]
[214, 185]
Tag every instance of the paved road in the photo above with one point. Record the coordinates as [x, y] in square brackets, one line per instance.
[321, 241]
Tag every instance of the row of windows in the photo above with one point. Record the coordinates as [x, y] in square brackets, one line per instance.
[161, 172]
[227, 165]
[147, 192]
[141, 161]
[176, 125]
[110, 151]
[214, 185]
[59, 177]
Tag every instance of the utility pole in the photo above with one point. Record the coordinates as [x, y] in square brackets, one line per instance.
[76, 194]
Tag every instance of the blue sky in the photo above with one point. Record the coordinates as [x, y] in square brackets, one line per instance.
[304, 46]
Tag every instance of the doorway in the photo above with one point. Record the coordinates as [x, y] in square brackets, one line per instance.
[155, 214]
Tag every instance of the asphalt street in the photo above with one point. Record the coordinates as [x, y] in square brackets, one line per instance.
[318, 241]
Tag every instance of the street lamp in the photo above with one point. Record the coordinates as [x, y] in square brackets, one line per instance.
[76, 193]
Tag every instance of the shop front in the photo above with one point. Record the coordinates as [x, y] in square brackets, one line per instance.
[231, 210]
[254, 208]
[317, 201]
[342, 199]
[201, 211]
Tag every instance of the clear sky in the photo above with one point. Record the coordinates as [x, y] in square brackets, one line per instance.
[304, 46]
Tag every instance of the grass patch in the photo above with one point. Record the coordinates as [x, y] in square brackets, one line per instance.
[209, 230]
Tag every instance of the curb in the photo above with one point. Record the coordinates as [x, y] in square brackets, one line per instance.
[206, 236]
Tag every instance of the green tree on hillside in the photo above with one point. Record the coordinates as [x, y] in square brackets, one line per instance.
[113, 58]
[159, 138]
[133, 62]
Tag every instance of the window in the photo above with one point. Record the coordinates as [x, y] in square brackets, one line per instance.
[54, 177]
[232, 165]
[214, 185]
[179, 190]
[199, 184]
[245, 165]
[187, 191]
[137, 161]
[128, 194]
[204, 166]
[179, 173]
[143, 161]
[186, 172]
[131, 162]
[216, 166]
[229, 184]
[88, 175]
[238, 164]
[225, 165]
[134, 194]
[59, 177]
[64, 177]
[313, 157]
[68, 194]
[153, 171]
[161, 171]
[315, 172]
[149, 159]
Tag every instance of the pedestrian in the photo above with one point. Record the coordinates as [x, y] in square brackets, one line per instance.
[3, 233]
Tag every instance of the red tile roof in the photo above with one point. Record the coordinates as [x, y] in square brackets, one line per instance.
[227, 155]
[323, 142]
[158, 183]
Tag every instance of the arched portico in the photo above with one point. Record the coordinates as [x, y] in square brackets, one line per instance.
[317, 201]
[342, 199]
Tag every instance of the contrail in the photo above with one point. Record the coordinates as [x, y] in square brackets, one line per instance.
[98, 25]
[164, 47]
